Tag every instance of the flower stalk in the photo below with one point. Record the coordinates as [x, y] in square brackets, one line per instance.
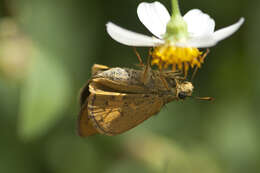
[175, 8]
[176, 29]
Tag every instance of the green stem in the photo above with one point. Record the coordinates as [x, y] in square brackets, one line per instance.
[176, 28]
[175, 8]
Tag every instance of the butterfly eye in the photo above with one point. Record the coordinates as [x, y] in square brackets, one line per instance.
[182, 95]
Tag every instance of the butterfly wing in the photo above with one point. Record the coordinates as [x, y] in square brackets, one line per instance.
[122, 80]
[113, 113]
[85, 127]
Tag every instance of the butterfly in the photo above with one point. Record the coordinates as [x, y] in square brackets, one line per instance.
[116, 100]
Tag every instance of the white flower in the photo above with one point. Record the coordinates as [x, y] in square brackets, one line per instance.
[155, 17]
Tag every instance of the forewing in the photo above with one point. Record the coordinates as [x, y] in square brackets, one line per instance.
[120, 86]
[122, 80]
[113, 113]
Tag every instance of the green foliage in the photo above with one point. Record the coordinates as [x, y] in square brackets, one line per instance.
[44, 96]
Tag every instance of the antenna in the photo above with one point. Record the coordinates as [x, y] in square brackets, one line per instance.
[205, 98]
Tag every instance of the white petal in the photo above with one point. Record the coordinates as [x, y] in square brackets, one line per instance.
[199, 42]
[209, 40]
[154, 16]
[227, 31]
[130, 38]
[199, 23]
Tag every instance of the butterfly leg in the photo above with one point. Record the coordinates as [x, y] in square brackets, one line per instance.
[139, 57]
[164, 80]
[201, 59]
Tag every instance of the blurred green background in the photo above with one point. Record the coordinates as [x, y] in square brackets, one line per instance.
[47, 49]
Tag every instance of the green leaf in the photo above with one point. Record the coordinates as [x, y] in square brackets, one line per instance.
[44, 96]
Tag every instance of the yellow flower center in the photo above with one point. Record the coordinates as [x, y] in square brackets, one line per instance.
[180, 58]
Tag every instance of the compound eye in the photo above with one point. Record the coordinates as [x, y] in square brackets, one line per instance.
[182, 95]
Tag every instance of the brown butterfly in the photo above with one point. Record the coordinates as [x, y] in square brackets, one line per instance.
[115, 100]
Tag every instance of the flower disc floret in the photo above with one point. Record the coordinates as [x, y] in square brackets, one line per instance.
[177, 57]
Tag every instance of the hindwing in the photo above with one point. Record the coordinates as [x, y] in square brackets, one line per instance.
[113, 113]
